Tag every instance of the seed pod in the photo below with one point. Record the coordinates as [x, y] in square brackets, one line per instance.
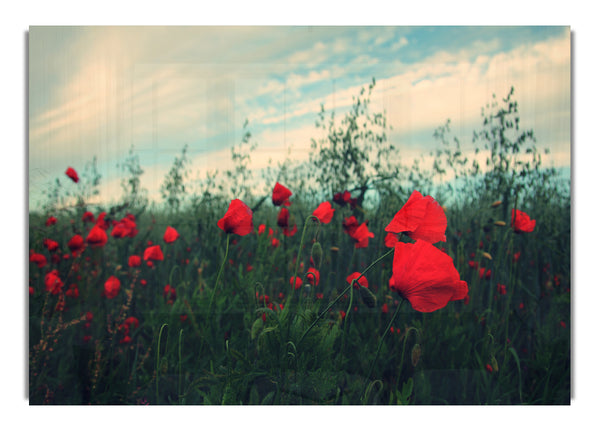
[369, 299]
[500, 223]
[494, 364]
[415, 354]
[317, 254]
[487, 255]
[497, 203]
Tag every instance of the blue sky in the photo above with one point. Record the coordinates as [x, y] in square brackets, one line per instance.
[97, 91]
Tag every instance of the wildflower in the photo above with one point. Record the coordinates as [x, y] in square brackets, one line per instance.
[153, 253]
[385, 308]
[516, 256]
[360, 234]
[100, 222]
[420, 218]
[489, 368]
[313, 276]
[76, 243]
[53, 282]
[126, 227]
[390, 240]
[520, 222]
[72, 291]
[290, 232]
[134, 261]
[170, 235]
[51, 221]
[237, 219]
[97, 237]
[361, 282]
[501, 288]
[298, 283]
[425, 276]
[112, 287]
[275, 242]
[324, 212]
[87, 216]
[169, 293]
[283, 217]
[131, 322]
[71, 173]
[261, 229]
[38, 259]
[281, 195]
[50, 245]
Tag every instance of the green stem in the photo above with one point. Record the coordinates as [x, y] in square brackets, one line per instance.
[158, 360]
[381, 343]
[332, 303]
[212, 298]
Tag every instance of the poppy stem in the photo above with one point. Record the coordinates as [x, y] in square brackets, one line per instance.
[380, 344]
[218, 276]
[332, 303]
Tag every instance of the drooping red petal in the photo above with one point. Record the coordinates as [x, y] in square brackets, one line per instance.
[422, 217]
[280, 195]
[324, 212]
[237, 219]
[425, 276]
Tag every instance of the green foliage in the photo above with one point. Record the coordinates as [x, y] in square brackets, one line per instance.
[173, 188]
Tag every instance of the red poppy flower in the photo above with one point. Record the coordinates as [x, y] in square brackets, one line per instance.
[38, 259]
[134, 261]
[170, 235]
[420, 218]
[53, 282]
[51, 245]
[425, 276]
[283, 217]
[131, 322]
[350, 224]
[51, 221]
[324, 212]
[313, 276]
[72, 291]
[169, 293]
[361, 235]
[298, 283]
[237, 219]
[290, 232]
[501, 289]
[390, 240]
[275, 242]
[261, 229]
[87, 216]
[126, 227]
[97, 237]
[153, 253]
[385, 308]
[112, 287]
[521, 222]
[362, 281]
[72, 174]
[76, 243]
[281, 195]
[100, 222]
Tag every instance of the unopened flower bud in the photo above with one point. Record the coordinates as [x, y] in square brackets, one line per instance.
[500, 223]
[494, 364]
[497, 203]
[415, 354]
[367, 297]
[317, 254]
[487, 255]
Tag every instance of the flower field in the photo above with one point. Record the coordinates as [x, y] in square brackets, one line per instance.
[433, 293]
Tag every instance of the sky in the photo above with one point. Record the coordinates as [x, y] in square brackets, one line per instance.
[100, 91]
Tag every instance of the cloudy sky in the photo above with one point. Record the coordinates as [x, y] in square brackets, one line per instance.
[98, 91]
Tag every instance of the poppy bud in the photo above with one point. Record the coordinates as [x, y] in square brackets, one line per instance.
[335, 249]
[494, 364]
[415, 354]
[500, 223]
[368, 297]
[317, 254]
[497, 203]
[487, 255]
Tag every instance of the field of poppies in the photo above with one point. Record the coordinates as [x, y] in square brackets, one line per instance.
[373, 286]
